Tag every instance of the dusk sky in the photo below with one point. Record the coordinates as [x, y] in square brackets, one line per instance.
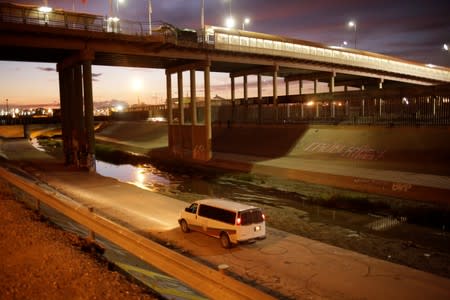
[414, 30]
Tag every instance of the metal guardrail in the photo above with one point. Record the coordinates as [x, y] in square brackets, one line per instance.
[209, 282]
[264, 44]
[27, 14]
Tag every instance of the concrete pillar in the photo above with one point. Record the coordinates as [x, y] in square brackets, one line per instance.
[287, 88]
[208, 112]
[275, 93]
[316, 85]
[363, 107]
[274, 88]
[434, 106]
[317, 110]
[89, 115]
[180, 97]
[259, 99]
[363, 103]
[300, 87]
[380, 107]
[333, 109]
[331, 84]
[193, 98]
[79, 143]
[64, 76]
[245, 89]
[245, 98]
[233, 99]
[169, 98]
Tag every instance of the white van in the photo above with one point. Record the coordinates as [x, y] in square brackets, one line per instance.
[232, 222]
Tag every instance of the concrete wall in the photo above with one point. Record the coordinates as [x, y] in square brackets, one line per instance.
[424, 150]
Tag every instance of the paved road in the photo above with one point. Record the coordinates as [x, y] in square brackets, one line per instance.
[293, 266]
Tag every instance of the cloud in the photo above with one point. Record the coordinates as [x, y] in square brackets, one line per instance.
[46, 69]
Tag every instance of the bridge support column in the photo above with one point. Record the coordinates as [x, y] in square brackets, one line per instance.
[331, 84]
[180, 98]
[362, 103]
[77, 110]
[275, 92]
[193, 98]
[79, 139]
[208, 152]
[89, 115]
[246, 97]
[193, 140]
[259, 99]
[169, 99]
[64, 96]
[233, 99]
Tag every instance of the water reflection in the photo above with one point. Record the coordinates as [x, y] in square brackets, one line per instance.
[145, 176]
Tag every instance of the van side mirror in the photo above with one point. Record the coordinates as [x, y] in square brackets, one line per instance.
[187, 209]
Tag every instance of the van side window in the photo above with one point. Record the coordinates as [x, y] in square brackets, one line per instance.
[193, 208]
[218, 214]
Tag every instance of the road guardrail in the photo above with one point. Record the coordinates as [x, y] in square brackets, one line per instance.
[211, 283]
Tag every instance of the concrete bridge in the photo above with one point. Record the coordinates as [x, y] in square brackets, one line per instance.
[75, 42]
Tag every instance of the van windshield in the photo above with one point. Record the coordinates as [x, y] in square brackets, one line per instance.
[251, 216]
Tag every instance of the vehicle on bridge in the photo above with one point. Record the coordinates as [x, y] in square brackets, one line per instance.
[229, 221]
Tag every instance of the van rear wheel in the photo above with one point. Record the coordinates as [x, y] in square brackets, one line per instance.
[225, 240]
[184, 226]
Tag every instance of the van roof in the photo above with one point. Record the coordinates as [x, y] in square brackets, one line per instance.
[226, 204]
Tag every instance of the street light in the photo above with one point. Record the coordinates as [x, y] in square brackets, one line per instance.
[350, 25]
[445, 47]
[117, 6]
[229, 22]
[246, 21]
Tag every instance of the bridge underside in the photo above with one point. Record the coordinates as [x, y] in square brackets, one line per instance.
[75, 51]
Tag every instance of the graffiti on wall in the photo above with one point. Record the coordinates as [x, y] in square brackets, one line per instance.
[364, 152]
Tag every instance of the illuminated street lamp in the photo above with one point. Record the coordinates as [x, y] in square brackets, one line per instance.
[445, 47]
[344, 44]
[246, 21]
[117, 6]
[45, 9]
[229, 22]
[352, 24]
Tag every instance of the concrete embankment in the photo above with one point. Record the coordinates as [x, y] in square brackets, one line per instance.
[410, 163]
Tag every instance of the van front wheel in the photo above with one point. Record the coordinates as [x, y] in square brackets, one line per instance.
[184, 226]
[225, 240]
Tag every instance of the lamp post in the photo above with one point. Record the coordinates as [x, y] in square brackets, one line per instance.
[202, 21]
[150, 17]
[246, 21]
[117, 6]
[350, 25]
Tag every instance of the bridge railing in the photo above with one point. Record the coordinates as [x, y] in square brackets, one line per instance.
[242, 41]
[26, 14]
[411, 111]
